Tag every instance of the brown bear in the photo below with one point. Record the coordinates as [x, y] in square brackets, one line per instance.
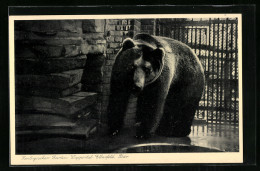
[168, 79]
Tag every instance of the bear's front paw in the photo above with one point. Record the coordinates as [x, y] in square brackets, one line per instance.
[142, 132]
[114, 133]
[143, 136]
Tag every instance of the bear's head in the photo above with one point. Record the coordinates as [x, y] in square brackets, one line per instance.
[146, 64]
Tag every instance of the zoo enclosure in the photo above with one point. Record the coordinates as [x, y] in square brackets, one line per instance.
[215, 41]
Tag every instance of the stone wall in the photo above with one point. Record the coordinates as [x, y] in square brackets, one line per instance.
[59, 73]
[116, 31]
[64, 67]
[148, 26]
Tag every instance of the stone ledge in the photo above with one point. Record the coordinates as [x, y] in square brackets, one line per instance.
[49, 92]
[49, 65]
[61, 80]
[82, 130]
[65, 106]
[49, 51]
[42, 121]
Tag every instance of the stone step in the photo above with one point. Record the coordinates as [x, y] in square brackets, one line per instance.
[44, 120]
[61, 80]
[47, 51]
[49, 92]
[49, 65]
[80, 130]
[84, 114]
[65, 106]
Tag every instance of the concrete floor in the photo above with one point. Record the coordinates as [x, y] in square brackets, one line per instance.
[221, 137]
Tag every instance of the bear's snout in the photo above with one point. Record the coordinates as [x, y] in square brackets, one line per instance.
[139, 80]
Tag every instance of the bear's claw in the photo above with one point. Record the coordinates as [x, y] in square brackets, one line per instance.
[143, 136]
[114, 133]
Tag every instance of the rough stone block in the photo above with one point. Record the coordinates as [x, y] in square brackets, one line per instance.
[32, 35]
[61, 80]
[49, 65]
[110, 51]
[31, 38]
[118, 39]
[92, 49]
[114, 45]
[65, 106]
[124, 22]
[93, 36]
[38, 120]
[110, 39]
[83, 130]
[46, 51]
[118, 27]
[48, 92]
[71, 50]
[116, 33]
[53, 26]
[71, 25]
[110, 27]
[112, 21]
[95, 42]
[93, 26]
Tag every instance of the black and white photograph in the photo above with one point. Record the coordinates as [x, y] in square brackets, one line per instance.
[126, 89]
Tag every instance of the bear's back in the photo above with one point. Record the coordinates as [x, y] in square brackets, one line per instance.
[180, 55]
[170, 45]
[180, 51]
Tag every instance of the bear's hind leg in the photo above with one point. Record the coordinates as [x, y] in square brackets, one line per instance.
[177, 122]
[179, 110]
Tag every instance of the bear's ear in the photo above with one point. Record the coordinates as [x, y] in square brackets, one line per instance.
[128, 43]
[158, 56]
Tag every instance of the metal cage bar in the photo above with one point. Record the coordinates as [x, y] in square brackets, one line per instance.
[215, 43]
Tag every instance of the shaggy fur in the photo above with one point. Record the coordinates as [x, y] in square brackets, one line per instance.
[167, 105]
